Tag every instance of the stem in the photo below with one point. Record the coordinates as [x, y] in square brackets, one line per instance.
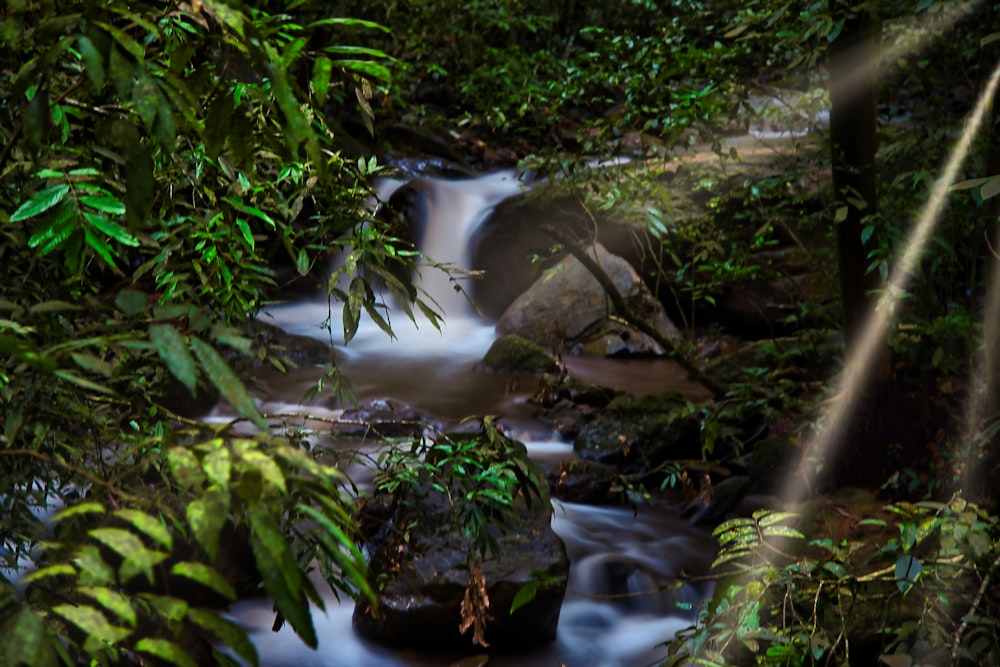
[82, 472]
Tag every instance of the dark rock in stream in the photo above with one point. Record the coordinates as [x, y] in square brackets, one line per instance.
[425, 553]
[639, 434]
[513, 354]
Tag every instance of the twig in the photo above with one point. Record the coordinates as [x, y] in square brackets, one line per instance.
[82, 472]
[957, 637]
[628, 314]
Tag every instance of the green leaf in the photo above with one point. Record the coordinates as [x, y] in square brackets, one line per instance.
[40, 202]
[74, 510]
[148, 525]
[59, 569]
[302, 262]
[908, 569]
[172, 348]
[226, 632]
[244, 228]
[131, 302]
[768, 518]
[111, 229]
[56, 228]
[92, 60]
[228, 383]
[165, 650]
[94, 571]
[111, 600]
[136, 558]
[524, 595]
[320, 83]
[207, 515]
[283, 580]
[269, 471]
[103, 204]
[206, 576]
[185, 467]
[101, 247]
[28, 639]
[89, 362]
[94, 624]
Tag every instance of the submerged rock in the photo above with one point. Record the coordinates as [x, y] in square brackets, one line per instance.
[567, 309]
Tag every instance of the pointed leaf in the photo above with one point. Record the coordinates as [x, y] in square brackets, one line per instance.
[148, 525]
[94, 624]
[207, 516]
[172, 348]
[111, 600]
[165, 650]
[228, 383]
[40, 202]
[206, 576]
[226, 632]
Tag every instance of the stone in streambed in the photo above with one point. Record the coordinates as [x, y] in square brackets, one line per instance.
[514, 354]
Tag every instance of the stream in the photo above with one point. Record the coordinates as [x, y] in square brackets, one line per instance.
[620, 603]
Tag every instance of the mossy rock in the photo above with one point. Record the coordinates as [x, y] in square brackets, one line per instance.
[514, 354]
[638, 434]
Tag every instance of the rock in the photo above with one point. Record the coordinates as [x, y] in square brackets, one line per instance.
[584, 482]
[726, 498]
[566, 309]
[426, 554]
[638, 434]
[513, 354]
[382, 417]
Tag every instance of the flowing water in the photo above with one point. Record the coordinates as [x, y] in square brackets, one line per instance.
[621, 601]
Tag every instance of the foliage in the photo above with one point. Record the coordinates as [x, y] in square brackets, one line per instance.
[166, 168]
[928, 587]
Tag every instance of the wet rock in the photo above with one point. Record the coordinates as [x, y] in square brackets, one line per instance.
[513, 354]
[726, 498]
[584, 482]
[638, 434]
[566, 309]
[382, 417]
[419, 604]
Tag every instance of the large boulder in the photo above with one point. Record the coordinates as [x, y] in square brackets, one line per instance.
[425, 554]
[513, 354]
[638, 434]
[566, 309]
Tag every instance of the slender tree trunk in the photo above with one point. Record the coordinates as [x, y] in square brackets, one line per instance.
[857, 453]
[853, 62]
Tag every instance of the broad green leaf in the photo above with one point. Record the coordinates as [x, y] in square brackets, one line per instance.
[131, 302]
[111, 600]
[908, 569]
[40, 202]
[148, 525]
[232, 338]
[302, 262]
[217, 466]
[172, 348]
[94, 570]
[136, 558]
[524, 595]
[94, 624]
[251, 210]
[165, 650]
[349, 22]
[89, 362]
[169, 607]
[782, 531]
[341, 548]
[231, 387]
[28, 641]
[185, 467]
[269, 471]
[226, 632]
[207, 516]
[205, 575]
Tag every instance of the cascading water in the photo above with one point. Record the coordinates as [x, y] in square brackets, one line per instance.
[621, 601]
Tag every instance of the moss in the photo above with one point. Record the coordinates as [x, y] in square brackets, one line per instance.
[515, 354]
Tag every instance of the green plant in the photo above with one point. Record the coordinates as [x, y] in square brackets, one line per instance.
[900, 593]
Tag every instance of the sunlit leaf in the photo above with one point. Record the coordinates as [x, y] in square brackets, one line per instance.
[111, 600]
[205, 575]
[226, 632]
[94, 624]
[207, 515]
[165, 650]
[40, 202]
[136, 558]
[148, 525]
